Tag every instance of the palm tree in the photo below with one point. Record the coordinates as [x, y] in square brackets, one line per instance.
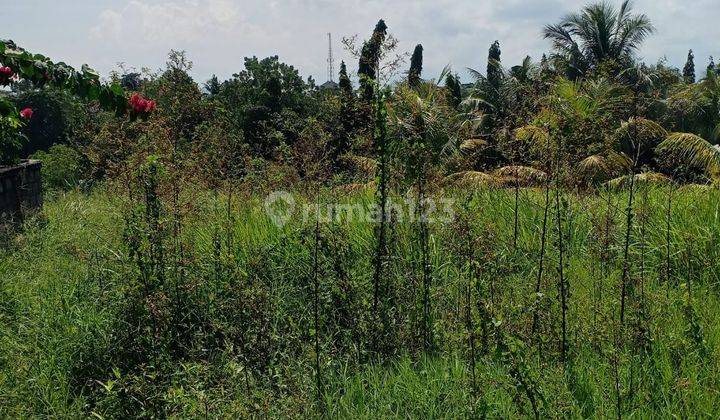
[709, 89]
[490, 103]
[694, 151]
[526, 71]
[598, 33]
[426, 120]
[427, 124]
[489, 100]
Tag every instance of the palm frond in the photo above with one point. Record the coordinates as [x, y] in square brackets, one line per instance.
[692, 150]
[639, 135]
[524, 176]
[645, 178]
[470, 179]
[473, 145]
[601, 167]
[532, 134]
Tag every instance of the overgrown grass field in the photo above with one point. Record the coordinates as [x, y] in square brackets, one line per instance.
[208, 308]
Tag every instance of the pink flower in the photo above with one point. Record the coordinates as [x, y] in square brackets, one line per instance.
[26, 113]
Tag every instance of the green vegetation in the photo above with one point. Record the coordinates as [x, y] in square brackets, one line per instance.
[78, 337]
[542, 242]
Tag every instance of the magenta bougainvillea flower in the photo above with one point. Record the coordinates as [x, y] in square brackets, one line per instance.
[141, 106]
[26, 113]
[6, 74]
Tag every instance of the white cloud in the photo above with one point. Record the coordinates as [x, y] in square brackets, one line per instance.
[217, 34]
[109, 27]
[166, 22]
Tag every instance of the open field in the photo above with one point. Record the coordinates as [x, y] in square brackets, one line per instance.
[95, 320]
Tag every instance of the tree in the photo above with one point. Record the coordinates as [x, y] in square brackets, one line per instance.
[179, 97]
[494, 94]
[416, 63]
[212, 86]
[452, 84]
[347, 116]
[546, 70]
[494, 71]
[345, 83]
[600, 32]
[696, 108]
[711, 67]
[268, 102]
[526, 71]
[131, 81]
[369, 65]
[689, 69]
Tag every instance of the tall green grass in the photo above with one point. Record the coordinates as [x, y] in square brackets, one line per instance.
[67, 285]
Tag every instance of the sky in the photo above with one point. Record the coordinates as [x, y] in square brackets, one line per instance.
[217, 34]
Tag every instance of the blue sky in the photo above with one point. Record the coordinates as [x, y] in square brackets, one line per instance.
[217, 34]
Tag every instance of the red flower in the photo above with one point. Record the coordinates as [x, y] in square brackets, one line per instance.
[6, 74]
[134, 99]
[150, 106]
[26, 113]
[140, 105]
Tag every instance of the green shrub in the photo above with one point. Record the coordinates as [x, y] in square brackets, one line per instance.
[62, 167]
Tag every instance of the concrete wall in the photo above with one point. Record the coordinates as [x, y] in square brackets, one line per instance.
[20, 190]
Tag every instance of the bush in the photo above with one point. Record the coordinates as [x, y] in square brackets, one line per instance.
[62, 167]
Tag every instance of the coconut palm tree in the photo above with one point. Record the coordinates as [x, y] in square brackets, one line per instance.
[492, 101]
[525, 71]
[710, 88]
[694, 151]
[598, 33]
[424, 118]
[493, 104]
[427, 125]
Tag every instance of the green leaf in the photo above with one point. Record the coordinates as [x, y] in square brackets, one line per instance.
[90, 72]
[27, 70]
[116, 89]
[93, 92]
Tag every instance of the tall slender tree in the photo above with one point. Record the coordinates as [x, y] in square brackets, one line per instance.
[345, 83]
[348, 116]
[492, 92]
[711, 65]
[689, 69]
[416, 63]
[494, 71]
[369, 65]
